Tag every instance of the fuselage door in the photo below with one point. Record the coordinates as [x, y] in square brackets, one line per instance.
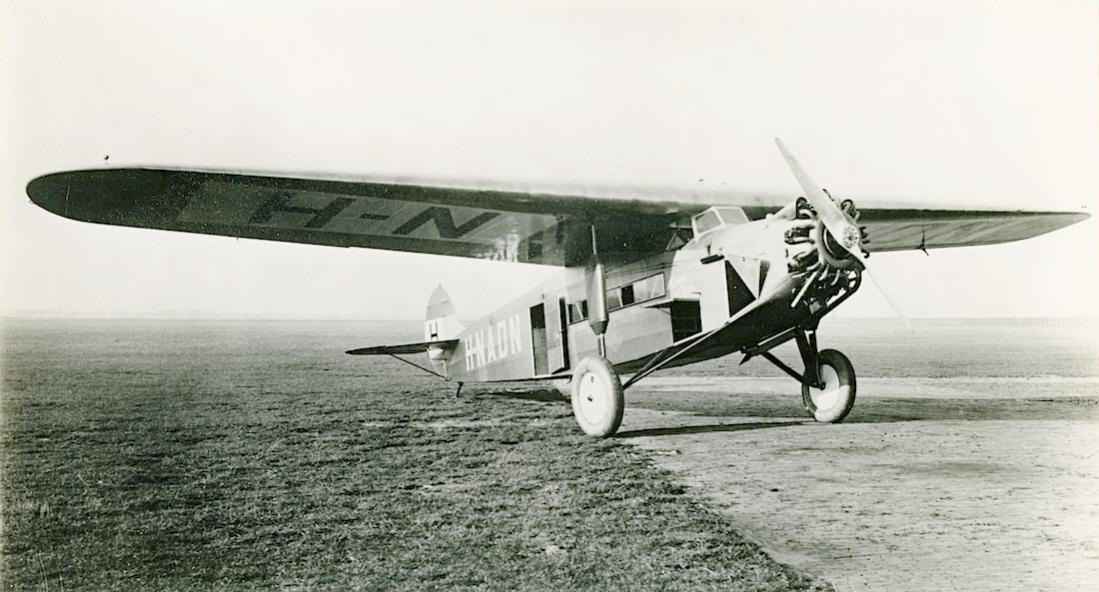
[557, 325]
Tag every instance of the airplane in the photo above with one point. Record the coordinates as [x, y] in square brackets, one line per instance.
[649, 279]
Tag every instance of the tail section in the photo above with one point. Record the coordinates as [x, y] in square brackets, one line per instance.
[441, 324]
[441, 330]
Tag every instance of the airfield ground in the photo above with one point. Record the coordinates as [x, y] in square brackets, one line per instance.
[944, 486]
[229, 457]
[240, 456]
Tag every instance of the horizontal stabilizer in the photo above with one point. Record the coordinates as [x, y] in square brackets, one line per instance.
[405, 348]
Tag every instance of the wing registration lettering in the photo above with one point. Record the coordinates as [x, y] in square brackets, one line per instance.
[280, 202]
[444, 222]
[499, 234]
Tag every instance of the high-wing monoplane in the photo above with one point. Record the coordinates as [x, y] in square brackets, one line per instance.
[650, 280]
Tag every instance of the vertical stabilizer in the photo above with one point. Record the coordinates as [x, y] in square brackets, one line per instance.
[441, 323]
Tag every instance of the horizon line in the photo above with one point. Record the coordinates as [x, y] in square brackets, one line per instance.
[78, 317]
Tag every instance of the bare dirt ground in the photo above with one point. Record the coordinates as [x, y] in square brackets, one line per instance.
[952, 485]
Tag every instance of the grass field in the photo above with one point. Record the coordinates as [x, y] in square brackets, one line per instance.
[183, 456]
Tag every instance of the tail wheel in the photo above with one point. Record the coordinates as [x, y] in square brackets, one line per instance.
[833, 402]
[597, 397]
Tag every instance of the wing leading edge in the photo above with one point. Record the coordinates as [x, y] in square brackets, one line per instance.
[520, 223]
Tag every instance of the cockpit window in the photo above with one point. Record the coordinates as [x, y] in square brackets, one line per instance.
[732, 215]
[717, 217]
[706, 221]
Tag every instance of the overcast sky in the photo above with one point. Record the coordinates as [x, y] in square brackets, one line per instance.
[994, 104]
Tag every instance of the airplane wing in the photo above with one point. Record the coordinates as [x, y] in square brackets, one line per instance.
[522, 223]
[908, 229]
[547, 225]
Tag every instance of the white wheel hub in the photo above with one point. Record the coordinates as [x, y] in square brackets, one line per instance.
[833, 400]
[833, 394]
[596, 394]
[593, 404]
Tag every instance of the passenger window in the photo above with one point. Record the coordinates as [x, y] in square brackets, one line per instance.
[614, 299]
[627, 295]
[578, 311]
[648, 288]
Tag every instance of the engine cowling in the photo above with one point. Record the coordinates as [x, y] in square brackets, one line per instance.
[814, 254]
[812, 245]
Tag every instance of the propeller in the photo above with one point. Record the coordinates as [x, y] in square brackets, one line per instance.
[838, 224]
[835, 221]
[884, 294]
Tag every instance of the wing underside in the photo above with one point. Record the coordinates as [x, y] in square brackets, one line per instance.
[523, 223]
[899, 230]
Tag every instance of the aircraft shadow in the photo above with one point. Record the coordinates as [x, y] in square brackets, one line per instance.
[869, 410]
[544, 395]
[890, 410]
[708, 428]
[909, 410]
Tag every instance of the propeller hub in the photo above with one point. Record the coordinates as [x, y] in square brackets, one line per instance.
[850, 237]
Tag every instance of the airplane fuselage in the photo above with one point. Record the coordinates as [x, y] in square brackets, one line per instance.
[654, 302]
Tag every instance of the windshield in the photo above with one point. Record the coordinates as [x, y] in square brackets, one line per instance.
[706, 221]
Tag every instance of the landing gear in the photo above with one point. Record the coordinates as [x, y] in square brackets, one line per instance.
[828, 384]
[597, 392]
[834, 400]
[597, 397]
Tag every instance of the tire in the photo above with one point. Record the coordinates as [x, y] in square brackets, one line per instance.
[597, 397]
[832, 403]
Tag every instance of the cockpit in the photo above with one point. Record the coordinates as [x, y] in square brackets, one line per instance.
[717, 217]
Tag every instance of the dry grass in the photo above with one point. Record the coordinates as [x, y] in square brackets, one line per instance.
[174, 457]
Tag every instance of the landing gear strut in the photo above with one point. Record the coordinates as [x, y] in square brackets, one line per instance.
[828, 383]
[597, 393]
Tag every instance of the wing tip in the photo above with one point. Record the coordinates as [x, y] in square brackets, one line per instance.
[120, 196]
[1070, 218]
[41, 191]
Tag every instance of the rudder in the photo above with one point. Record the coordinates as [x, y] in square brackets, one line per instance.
[441, 322]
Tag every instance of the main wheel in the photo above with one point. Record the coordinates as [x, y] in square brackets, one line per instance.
[597, 399]
[833, 402]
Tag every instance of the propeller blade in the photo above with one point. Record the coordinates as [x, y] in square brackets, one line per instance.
[841, 229]
[884, 294]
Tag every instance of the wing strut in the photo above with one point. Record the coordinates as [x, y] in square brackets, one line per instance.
[661, 358]
[597, 298]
